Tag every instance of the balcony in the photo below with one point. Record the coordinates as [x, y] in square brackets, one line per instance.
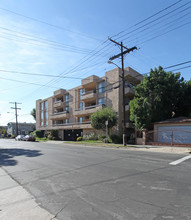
[129, 91]
[127, 108]
[59, 104]
[87, 110]
[76, 125]
[89, 96]
[129, 125]
[59, 92]
[90, 82]
[60, 115]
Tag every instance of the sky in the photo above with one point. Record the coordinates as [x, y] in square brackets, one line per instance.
[46, 45]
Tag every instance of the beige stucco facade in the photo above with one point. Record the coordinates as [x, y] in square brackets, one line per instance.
[70, 110]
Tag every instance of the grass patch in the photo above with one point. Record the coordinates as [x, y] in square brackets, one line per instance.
[96, 142]
[42, 139]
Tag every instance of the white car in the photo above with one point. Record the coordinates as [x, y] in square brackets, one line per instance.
[19, 137]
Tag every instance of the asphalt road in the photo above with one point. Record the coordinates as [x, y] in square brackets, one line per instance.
[89, 183]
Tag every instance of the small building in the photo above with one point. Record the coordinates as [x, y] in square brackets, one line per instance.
[173, 131]
[23, 128]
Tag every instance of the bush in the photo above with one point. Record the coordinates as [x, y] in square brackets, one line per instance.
[53, 135]
[38, 133]
[116, 139]
[79, 139]
[91, 136]
[101, 137]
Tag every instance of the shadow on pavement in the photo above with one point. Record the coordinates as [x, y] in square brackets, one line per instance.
[7, 155]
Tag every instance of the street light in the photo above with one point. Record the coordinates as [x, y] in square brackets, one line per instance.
[123, 101]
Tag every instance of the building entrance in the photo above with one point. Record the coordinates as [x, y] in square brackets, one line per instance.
[72, 135]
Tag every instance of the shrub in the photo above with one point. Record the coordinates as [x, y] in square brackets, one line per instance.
[101, 137]
[53, 135]
[91, 136]
[116, 139]
[79, 139]
[38, 133]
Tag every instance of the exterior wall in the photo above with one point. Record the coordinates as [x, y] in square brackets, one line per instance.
[112, 96]
[23, 128]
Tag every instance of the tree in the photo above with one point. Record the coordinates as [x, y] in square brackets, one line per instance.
[106, 114]
[159, 96]
[33, 113]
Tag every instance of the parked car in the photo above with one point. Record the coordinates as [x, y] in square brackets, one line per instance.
[29, 138]
[19, 137]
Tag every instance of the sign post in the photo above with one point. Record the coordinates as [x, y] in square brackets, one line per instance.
[106, 124]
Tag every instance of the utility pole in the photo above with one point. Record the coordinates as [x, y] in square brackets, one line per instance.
[16, 114]
[128, 50]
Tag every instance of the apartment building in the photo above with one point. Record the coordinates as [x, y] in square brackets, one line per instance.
[69, 111]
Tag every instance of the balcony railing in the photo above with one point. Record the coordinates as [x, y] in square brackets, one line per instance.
[87, 110]
[129, 91]
[76, 125]
[60, 115]
[89, 95]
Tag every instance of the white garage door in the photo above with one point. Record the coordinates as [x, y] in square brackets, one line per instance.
[181, 134]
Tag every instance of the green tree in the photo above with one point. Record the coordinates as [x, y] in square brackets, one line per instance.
[33, 113]
[106, 114]
[158, 97]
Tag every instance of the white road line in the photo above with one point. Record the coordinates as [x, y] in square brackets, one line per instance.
[180, 160]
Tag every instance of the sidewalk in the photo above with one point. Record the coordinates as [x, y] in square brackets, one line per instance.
[16, 203]
[148, 148]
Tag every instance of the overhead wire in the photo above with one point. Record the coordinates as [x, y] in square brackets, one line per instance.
[49, 24]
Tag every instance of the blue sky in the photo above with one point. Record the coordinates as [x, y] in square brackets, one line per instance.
[69, 38]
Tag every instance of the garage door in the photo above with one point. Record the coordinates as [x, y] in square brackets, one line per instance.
[181, 134]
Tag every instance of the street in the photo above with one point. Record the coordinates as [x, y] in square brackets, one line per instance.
[76, 182]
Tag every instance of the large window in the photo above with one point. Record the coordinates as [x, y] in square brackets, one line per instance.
[67, 98]
[81, 92]
[46, 117]
[41, 106]
[101, 87]
[81, 105]
[46, 104]
[41, 116]
[101, 101]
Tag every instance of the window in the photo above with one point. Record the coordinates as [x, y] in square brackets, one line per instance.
[81, 92]
[41, 123]
[67, 121]
[46, 117]
[101, 101]
[81, 119]
[41, 116]
[81, 105]
[67, 108]
[41, 106]
[101, 87]
[46, 104]
[67, 98]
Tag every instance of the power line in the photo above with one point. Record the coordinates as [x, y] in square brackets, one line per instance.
[153, 15]
[150, 22]
[49, 24]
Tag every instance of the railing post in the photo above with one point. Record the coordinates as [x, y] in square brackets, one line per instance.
[144, 140]
[171, 137]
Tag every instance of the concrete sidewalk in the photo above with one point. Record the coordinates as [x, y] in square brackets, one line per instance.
[151, 148]
[16, 203]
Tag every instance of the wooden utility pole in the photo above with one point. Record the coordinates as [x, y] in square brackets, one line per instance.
[128, 50]
[16, 116]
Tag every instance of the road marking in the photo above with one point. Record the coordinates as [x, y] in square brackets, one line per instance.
[180, 160]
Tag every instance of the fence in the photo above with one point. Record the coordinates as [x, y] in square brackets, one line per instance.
[168, 137]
